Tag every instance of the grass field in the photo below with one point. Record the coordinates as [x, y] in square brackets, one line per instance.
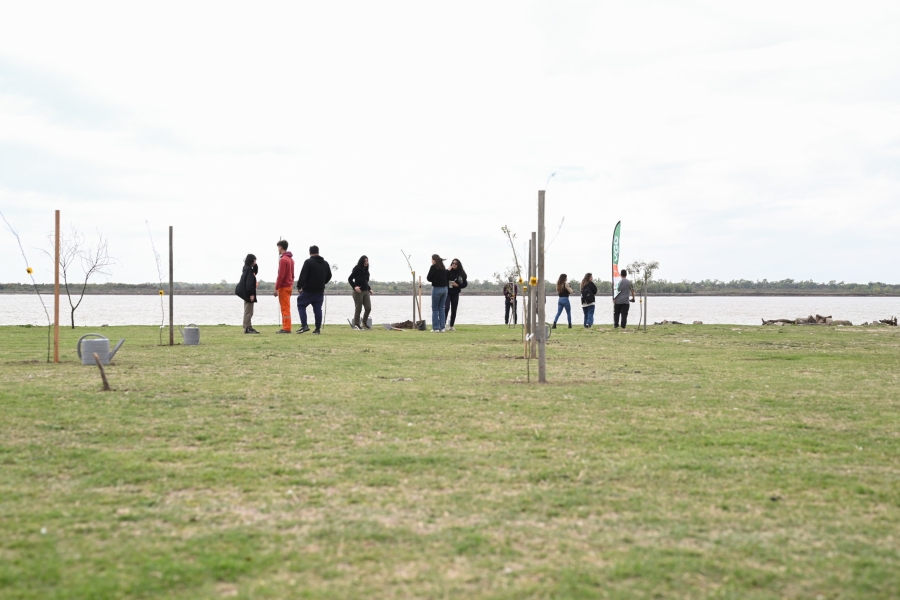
[687, 462]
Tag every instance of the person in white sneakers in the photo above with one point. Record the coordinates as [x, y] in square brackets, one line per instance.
[437, 275]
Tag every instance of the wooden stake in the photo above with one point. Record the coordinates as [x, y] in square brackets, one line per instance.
[532, 294]
[56, 295]
[421, 318]
[542, 294]
[171, 292]
[106, 387]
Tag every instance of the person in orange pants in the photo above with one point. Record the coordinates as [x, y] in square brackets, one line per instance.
[284, 285]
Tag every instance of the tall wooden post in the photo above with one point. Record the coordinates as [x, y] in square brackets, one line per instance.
[414, 296]
[171, 292]
[542, 294]
[56, 294]
[532, 295]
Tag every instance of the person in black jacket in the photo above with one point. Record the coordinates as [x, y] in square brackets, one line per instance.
[456, 278]
[359, 282]
[316, 272]
[588, 298]
[246, 291]
[437, 275]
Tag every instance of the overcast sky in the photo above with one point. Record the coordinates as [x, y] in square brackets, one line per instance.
[733, 140]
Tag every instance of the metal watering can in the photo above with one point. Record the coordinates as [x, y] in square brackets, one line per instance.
[190, 334]
[87, 348]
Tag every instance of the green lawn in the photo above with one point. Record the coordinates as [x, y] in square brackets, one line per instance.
[688, 462]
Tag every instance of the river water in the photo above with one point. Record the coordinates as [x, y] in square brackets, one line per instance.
[211, 310]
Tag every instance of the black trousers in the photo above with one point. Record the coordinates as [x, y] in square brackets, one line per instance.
[450, 308]
[620, 309]
[511, 305]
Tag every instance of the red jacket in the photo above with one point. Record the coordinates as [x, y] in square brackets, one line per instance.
[285, 271]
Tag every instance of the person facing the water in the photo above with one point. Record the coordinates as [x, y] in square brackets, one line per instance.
[563, 289]
[621, 301]
[456, 278]
[437, 275]
[359, 283]
[588, 297]
[510, 295]
[284, 284]
[246, 291]
[314, 275]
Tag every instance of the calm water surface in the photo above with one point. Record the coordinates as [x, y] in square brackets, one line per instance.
[211, 310]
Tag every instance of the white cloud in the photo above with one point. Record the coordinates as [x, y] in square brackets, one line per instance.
[753, 141]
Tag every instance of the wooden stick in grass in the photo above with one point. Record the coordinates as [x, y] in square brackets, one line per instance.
[106, 387]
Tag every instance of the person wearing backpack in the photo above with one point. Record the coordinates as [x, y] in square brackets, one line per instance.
[588, 298]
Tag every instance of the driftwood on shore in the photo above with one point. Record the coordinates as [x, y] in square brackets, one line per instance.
[665, 322]
[892, 322]
[810, 320]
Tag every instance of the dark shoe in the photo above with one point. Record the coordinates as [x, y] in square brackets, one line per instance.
[283, 331]
[250, 330]
[316, 332]
[303, 329]
[554, 326]
[570, 326]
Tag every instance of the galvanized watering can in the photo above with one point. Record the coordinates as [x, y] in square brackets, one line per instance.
[190, 334]
[87, 348]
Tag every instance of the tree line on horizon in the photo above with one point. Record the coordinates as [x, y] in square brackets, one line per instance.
[494, 287]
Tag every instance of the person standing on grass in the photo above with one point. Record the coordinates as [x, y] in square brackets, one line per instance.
[246, 291]
[284, 285]
[510, 294]
[437, 275]
[456, 277]
[563, 289]
[314, 275]
[588, 298]
[621, 301]
[359, 282]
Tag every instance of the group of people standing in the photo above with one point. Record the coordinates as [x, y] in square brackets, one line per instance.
[314, 276]
[589, 299]
[446, 285]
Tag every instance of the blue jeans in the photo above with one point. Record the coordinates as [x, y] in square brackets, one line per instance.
[588, 315]
[304, 300]
[564, 304]
[438, 312]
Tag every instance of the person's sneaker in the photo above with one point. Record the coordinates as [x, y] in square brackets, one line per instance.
[554, 326]
[452, 328]
[250, 330]
[283, 331]
[303, 329]
[570, 326]
[316, 332]
[435, 331]
[356, 328]
[444, 330]
[365, 327]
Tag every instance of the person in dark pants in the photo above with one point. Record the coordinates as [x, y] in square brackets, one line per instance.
[510, 295]
[621, 301]
[456, 277]
[359, 283]
[437, 275]
[316, 272]
[563, 289]
[246, 291]
[588, 299]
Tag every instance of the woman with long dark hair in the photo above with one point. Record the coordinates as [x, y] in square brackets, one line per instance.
[246, 291]
[359, 283]
[456, 277]
[563, 289]
[588, 297]
[437, 275]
